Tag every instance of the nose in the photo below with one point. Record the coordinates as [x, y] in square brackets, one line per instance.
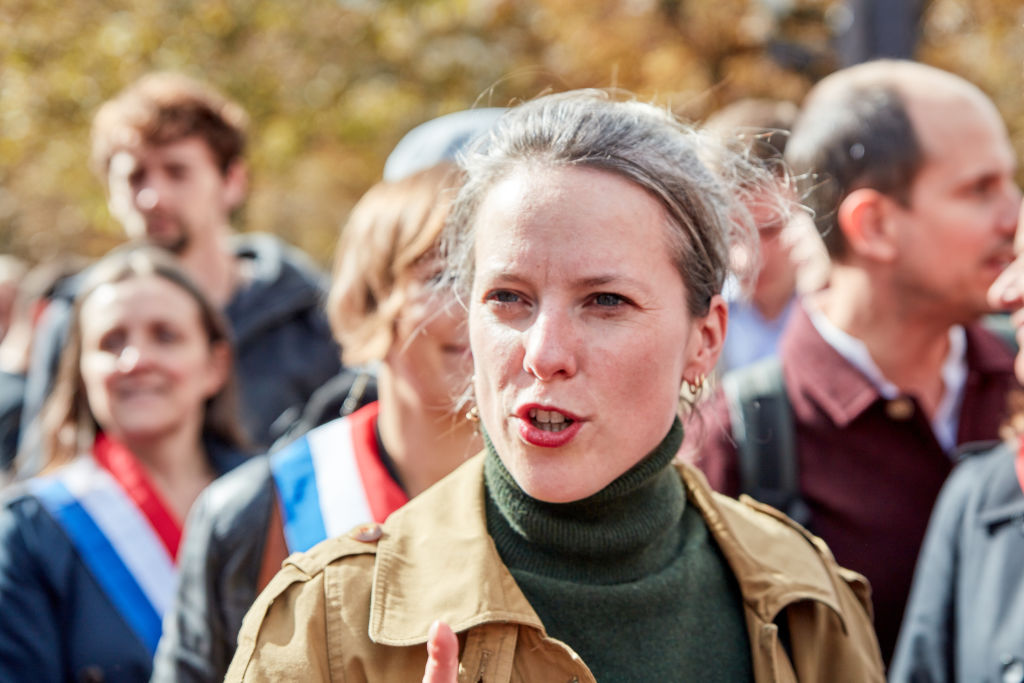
[147, 198]
[551, 347]
[129, 359]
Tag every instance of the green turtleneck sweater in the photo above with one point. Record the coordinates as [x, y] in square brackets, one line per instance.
[629, 577]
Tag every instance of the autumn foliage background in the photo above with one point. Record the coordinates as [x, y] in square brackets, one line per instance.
[332, 85]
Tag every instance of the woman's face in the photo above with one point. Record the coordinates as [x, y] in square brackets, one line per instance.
[579, 328]
[147, 364]
[430, 352]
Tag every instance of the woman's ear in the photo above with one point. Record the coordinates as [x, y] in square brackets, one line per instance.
[863, 216]
[705, 344]
[219, 367]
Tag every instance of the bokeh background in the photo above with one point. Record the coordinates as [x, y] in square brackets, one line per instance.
[332, 85]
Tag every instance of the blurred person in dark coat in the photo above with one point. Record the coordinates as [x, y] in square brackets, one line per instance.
[965, 616]
[170, 151]
[33, 295]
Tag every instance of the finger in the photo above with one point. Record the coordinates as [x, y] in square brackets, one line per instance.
[442, 655]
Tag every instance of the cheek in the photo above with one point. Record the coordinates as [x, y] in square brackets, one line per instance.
[212, 380]
[497, 356]
[443, 324]
[97, 372]
[96, 369]
[404, 328]
[656, 365]
[207, 372]
[418, 316]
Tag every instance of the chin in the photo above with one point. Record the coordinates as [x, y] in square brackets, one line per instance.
[142, 431]
[551, 487]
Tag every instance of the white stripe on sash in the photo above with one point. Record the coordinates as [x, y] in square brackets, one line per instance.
[343, 502]
[126, 527]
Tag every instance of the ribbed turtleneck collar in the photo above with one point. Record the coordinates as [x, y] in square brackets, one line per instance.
[622, 532]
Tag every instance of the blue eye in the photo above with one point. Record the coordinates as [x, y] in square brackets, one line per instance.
[503, 296]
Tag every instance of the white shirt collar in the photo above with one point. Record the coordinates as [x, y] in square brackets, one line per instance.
[946, 420]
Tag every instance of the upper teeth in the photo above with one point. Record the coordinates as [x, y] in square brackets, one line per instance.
[552, 416]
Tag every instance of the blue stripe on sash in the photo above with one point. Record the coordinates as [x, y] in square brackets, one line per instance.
[295, 477]
[103, 561]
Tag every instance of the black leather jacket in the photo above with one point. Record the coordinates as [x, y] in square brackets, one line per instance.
[222, 551]
[219, 564]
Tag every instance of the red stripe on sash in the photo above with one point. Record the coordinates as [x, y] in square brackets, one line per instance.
[383, 493]
[128, 472]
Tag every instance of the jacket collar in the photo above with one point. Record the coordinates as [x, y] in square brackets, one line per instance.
[772, 570]
[282, 284]
[435, 560]
[845, 395]
[1001, 499]
[848, 393]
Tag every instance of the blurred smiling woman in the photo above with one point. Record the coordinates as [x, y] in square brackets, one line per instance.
[590, 242]
[141, 419]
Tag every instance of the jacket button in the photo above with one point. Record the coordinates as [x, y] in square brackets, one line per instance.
[901, 408]
[1013, 669]
[367, 533]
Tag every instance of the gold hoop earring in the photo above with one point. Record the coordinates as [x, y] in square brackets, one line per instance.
[697, 384]
[473, 414]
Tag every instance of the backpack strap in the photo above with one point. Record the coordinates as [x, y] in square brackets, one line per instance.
[762, 426]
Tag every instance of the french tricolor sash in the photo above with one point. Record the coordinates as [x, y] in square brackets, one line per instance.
[116, 541]
[332, 479]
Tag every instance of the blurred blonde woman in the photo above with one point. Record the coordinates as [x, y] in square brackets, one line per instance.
[387, 306]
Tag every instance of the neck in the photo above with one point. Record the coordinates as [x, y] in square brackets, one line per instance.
[176, 464]
[425, 443]
[909, 345]
[615, 535]
[771, 302]
[774, 289]
[213, 267]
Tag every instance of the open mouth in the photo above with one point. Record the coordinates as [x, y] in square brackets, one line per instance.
[549, 420]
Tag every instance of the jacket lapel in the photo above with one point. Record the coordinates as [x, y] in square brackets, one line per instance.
[449, 570]
[760, 553]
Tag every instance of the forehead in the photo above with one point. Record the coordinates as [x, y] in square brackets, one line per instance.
[192, 150]
[140, 298]
[961, 134]
[571, 218]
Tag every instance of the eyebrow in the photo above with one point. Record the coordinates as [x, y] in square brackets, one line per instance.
[583, 283]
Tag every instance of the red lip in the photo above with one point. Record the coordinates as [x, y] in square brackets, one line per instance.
[545, 439]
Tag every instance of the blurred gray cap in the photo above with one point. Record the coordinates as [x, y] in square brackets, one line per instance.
[437, 140]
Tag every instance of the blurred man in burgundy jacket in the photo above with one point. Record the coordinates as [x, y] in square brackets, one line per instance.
[886, 370]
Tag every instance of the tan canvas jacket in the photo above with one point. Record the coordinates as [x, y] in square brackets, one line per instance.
[358, 607]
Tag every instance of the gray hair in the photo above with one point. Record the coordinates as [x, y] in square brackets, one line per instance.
[698, 179]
